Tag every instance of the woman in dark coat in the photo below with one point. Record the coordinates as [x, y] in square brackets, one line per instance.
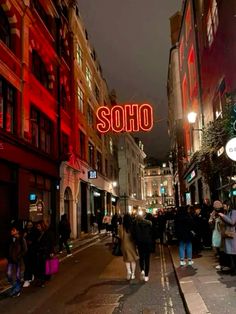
[64, 234]
[44, 250]
[184, 231]
[142, 233]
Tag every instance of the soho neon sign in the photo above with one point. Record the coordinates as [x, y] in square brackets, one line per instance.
[128, 118]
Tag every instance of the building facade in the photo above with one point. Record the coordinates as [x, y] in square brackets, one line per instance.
[159, 189]
[131, 174]
[52, 159]
[206, 48]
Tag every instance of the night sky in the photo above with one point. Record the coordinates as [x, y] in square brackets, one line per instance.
[132, 41]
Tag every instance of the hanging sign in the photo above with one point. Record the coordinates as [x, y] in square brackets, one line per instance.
[230, 149]
[128, 118]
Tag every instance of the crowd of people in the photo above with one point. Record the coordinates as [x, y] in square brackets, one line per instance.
[29, 248]
[194, 228]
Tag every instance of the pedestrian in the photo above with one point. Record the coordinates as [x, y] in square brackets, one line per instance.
[99, 218]
[215, 221]
[92, 223]
[30, 236]
[230, 236]
[198, 223]
[44, 251]
[16, 250]
[142, 233]
[128, 246]
[185, 232]
[64, 234]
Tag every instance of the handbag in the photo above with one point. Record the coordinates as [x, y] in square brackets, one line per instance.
[117, 248]
[52, 266]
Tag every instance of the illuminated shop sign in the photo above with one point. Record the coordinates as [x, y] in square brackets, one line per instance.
[191, 176]
[230, 149]
[128, 118]
[92, 174]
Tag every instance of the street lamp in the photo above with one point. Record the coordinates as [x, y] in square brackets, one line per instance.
[192, 117]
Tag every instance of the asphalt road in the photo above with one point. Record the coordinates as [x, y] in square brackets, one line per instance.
[94, 281]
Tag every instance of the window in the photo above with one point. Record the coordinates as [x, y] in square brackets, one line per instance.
[212, 22]
[185, 93]
[90, 115]
[64, 104]
[41, 129]
[65, 146]
[82, 145]
[80, 100]
[39, 69]
[106, 167]
[99, 162]
[79, 55]
[111, 145]
[192, 71]
[7, 106]
[91, 154]
[188, 22]
[181, 52]
[88, 76]
[41, 12]
[97, 93]
[5, 28]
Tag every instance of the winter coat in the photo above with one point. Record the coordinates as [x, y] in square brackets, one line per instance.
[16, 250]
[230, 221]
[142, 233]
[184, 226]
[128, 247]
[64, 229]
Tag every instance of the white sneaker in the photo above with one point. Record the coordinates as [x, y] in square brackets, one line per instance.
[190, 263]
[142, 274]
[218, 267]
[128, 275]
[132, 276]
[26, 284]
[182, 263]
[146, 278]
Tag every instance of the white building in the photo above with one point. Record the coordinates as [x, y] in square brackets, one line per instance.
[158, 187]
[131, 173]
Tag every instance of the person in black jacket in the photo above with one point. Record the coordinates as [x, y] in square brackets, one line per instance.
[44, 250]
[185, 232]
[16, 250]
[64, 234]
[142, 234]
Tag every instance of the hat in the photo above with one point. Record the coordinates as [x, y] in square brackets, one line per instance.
[217, 205]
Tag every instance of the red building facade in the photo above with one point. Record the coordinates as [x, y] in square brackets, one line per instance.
[35, 91]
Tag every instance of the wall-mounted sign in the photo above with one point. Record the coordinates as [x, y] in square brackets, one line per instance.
[230, 149]
[92, 174]
[128, 118]
[191, 176]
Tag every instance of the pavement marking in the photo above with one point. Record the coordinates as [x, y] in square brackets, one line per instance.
[215, 281]
[168, 303]
[189, 281]
[79, 250]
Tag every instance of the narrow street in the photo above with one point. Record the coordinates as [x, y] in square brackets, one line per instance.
[94, 281]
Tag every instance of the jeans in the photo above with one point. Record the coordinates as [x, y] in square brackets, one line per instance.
[185, 245]
[16, 286]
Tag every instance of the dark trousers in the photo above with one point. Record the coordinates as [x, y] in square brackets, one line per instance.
[64, 242]
[29, 262]
[144, 258]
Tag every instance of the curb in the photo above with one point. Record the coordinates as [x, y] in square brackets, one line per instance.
[192, 301]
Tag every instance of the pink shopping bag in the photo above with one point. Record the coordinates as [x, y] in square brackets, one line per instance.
[52, 266]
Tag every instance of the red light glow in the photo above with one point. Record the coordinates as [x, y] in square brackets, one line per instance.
[128, 118]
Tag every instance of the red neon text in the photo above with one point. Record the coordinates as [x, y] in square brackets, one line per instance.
[129, 118]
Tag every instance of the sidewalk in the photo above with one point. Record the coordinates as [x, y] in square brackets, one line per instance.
[203, 288]
[84, 240]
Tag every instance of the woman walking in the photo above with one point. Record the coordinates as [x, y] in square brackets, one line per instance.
[128, 248]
